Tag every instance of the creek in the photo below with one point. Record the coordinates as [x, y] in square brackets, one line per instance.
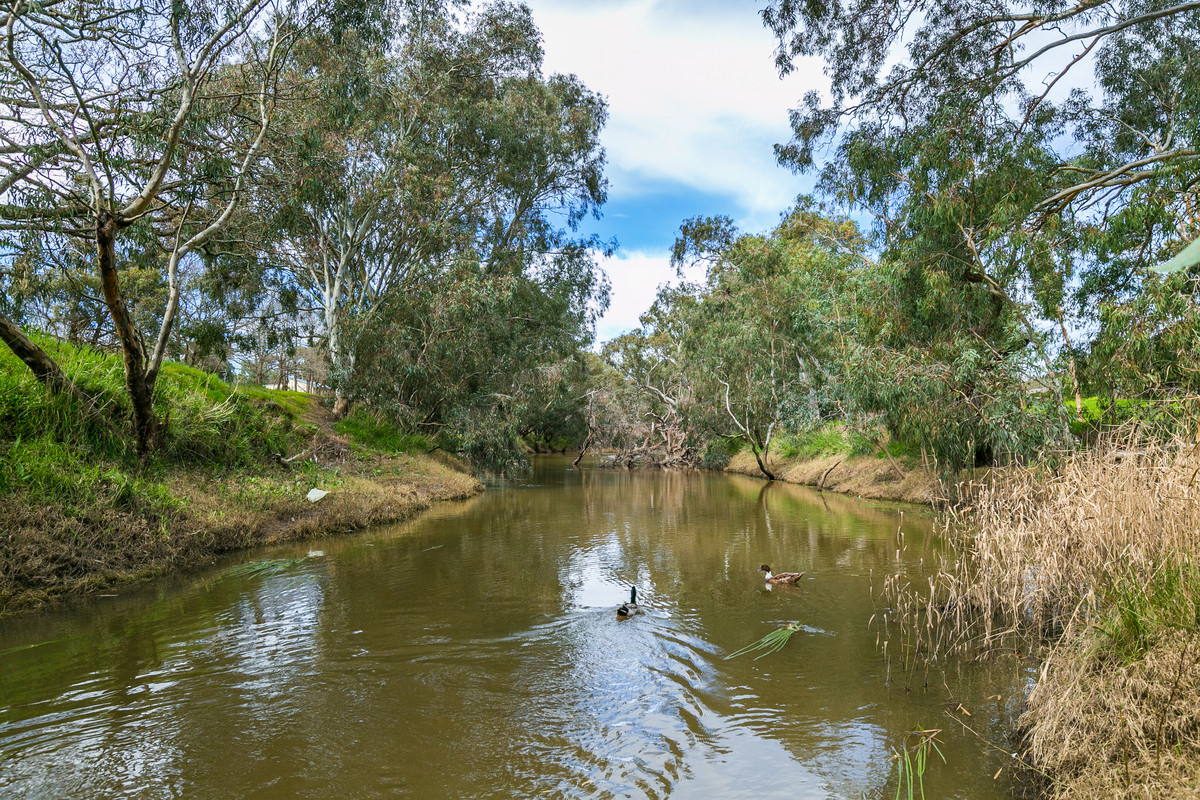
[474, 653]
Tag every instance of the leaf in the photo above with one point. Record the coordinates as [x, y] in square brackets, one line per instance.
[1185, 259]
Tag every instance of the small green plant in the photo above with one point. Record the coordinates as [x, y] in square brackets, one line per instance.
[773, 642]
[912, 759]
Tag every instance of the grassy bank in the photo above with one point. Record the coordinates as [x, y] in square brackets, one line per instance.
[80, 511]
[839, 461]
[1092, 564]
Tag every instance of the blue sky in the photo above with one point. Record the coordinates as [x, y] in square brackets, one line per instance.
[695, 106]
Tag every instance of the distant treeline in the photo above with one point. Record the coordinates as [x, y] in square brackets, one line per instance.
[1022, 168]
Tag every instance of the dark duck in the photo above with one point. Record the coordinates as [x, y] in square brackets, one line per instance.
[630, 609]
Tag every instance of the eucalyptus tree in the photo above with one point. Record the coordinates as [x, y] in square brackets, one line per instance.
[1024, 160]
[1021, 68]
[764, 344]
[346, 160]
[148, 116]
[479, 361]
[455, 149]
[51, 285]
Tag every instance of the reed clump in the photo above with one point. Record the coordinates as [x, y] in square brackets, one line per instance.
[1091, 561]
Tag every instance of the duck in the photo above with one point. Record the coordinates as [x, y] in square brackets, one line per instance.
[630, 609]
[783, 577]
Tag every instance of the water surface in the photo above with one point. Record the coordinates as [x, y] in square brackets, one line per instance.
[475, 653]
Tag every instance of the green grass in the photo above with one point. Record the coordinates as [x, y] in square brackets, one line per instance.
[54, 453]
[828, 440]
[1136, 613]
[87, 509]
[834, 439]
[1103, 412]
[53, 472]
[374, 432]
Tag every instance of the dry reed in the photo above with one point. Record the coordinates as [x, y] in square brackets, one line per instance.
[1093, 558]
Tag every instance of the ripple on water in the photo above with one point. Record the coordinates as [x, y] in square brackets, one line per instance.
[376, 670]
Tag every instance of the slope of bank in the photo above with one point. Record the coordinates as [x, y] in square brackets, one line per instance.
[52, 550]
[860, 475]
[80, 512]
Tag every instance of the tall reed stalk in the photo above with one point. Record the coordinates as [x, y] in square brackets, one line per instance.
[1041, 548]
[1090, 562]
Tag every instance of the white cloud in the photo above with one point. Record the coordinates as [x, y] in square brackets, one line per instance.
[635, 280]
[693, 95]
[694, 102]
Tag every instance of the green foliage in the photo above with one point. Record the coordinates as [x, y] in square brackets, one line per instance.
[749, 351]
[488, 440]
[461, 301]
[1185, 259]
[642, 402]
[481, 362]
[427, 133]
[1024, 165]
[796, 332]
[967, 408]
[1139, 612]
[912, 759]
[1149, 344]
[372, 430]
[718, 452]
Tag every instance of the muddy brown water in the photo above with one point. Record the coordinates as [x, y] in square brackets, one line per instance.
[475, 653]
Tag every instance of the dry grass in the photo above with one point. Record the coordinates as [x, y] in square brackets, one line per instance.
[1102, 727]
[48, 551]
[1053, 546]
[1092, 562]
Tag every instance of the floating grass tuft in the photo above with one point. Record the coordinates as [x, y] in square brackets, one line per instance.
[773, 642]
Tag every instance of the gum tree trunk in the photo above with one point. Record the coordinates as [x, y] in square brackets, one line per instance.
[760, 457]
[138, 381]
[43, 367]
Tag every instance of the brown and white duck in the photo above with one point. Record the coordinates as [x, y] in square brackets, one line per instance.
[783, 577]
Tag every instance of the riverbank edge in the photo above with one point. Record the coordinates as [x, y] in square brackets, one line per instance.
[1060, 733]
[49, 556]
[861, 476]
